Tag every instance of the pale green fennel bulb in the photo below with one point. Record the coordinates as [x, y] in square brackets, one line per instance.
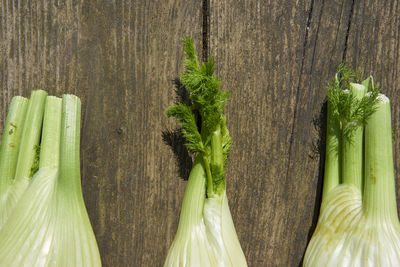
[358, 223]
[206, 235]
[49, 225]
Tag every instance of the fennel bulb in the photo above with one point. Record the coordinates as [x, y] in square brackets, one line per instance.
[49, 225]
[358, 223]
[206, 235]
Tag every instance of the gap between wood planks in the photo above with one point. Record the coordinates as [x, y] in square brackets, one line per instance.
[348, 31]
[206, 30]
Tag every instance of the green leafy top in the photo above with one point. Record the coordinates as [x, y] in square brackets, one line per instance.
[349, 111]
[208, 103]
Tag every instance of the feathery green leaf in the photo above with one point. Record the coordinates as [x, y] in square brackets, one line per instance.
[189, 128]
[204, 88]
[207, 102]
[349, 111]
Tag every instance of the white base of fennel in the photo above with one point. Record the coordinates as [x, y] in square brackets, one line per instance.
[48, 227]
[346, 237]
[10, 198]
[212, 242]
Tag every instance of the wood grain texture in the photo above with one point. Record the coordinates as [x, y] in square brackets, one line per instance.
[259, 50]
[277, 58]
[131, 181]
[374, 43]
[39, 49]
[121, 58]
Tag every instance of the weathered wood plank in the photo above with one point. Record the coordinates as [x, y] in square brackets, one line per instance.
[324, 48]
[121, 58]
[373, 44]
[130, 175]
[277, 58]
[259, 48]
[39, 49]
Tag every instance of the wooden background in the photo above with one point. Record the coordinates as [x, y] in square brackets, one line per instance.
[121, 58]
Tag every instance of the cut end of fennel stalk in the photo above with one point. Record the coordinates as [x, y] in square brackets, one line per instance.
[382, 98]
[49, 225]
[206, 235]
[358, 87]
[358, 223]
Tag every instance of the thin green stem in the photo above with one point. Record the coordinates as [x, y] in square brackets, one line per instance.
[379, 199]
[11, 141]
[30, 135]
[352, 148]
[51, 133]
[332, 163]
[217, 160]
[216, 147]
[70, 177]
[210, 186]
[206, 162]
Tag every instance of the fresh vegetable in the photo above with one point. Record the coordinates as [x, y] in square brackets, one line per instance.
[19, 149]
[49, 225]
[206, 235]
[358, 223]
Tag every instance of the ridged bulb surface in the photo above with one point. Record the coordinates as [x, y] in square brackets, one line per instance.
[345, 236]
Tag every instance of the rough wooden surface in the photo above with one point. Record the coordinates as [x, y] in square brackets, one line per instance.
[121, 58]
[276, 57]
